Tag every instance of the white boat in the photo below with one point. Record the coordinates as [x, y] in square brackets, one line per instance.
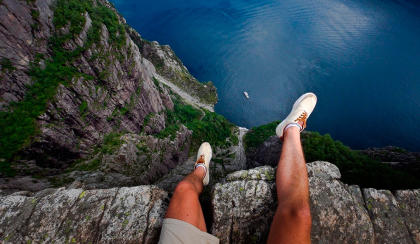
[246, 94]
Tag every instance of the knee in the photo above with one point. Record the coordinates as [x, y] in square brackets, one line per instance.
[301, 213]
[184, 186]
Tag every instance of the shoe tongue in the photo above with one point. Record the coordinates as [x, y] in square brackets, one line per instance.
[300, 110]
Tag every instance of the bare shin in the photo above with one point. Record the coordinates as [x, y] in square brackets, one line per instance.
[185, 204]
[292, 220]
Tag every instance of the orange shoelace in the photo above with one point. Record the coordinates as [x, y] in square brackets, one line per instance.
[302, 119]
[200, 160]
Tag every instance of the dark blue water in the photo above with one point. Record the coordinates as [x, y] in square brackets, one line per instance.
[362, 59]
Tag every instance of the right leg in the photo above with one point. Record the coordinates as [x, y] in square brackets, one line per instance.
[292, 220]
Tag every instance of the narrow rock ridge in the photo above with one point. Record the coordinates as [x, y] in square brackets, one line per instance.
[242, 208]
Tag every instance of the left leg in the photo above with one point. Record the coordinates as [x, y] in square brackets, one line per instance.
[184, 204]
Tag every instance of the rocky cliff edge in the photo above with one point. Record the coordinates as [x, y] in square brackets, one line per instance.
[242, 207]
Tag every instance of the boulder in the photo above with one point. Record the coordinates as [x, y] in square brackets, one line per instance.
[243, 207]
[384, 211]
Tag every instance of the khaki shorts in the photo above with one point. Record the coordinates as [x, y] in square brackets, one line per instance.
[175, 231]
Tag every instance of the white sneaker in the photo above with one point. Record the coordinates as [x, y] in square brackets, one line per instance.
[203, 157]
[301, 110]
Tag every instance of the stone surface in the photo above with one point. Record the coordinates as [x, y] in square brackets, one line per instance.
[140, 159]
[24, 183]
[409, 203]
[242, 207]
[337, 215]
[117, 215]
[340, 213]
[19, 43]
[384, 210]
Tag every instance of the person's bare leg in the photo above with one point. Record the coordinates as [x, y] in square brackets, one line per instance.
[292, 220]
[184, 204]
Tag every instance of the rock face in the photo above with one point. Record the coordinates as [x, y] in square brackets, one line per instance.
[117, 215]
[245, 204]
[115, 91]
[266, 154]
[138, 159]
[121, 93]
[242, 208]
[19, 43]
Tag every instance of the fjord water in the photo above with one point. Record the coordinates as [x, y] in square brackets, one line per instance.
[362, 59]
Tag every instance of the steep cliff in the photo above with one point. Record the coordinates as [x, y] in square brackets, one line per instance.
[88, 104]
[78, 83]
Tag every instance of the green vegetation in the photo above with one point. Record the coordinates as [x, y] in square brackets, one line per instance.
[88, 166]
[6, 64]
[83, 109]
[34, 14]
[258, 135]
[110, 143]
[156, 82]
[206, 126]
[356, 168]
[147, 119]
[18, 125]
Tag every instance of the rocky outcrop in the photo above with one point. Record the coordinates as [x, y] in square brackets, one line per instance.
[397, 158]
[168, 65]
[135, 160]
[117, 215]
[114, 90]
[242, 207]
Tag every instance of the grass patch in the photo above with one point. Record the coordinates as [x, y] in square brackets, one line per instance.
[206, 126]
[6, 64]
[18, 125]
[156, 82]
[83, 109]
[111, 143]
[34, 14]
[90, 166]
